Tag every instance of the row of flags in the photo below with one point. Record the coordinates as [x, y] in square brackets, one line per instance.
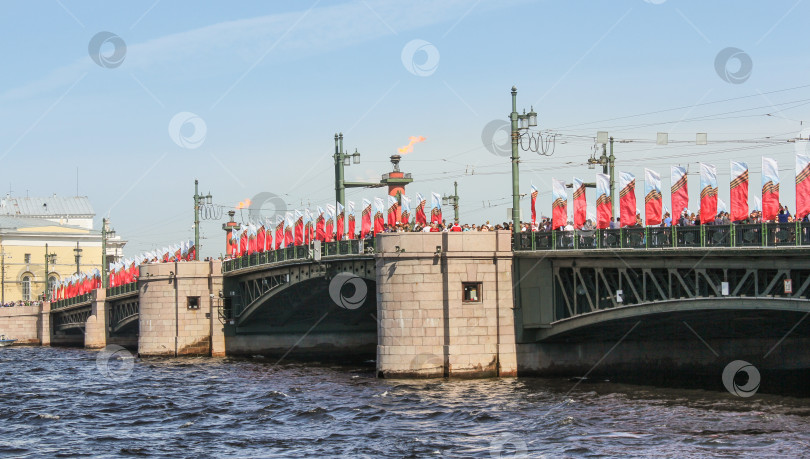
[327, 224]
[122, 272]
[75, 285]
[126, 271]
[653, 201]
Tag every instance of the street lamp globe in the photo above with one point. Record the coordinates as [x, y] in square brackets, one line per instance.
[356, 157]
[347, 160]
[532, 118]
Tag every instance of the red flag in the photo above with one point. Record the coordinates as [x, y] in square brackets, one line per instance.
[279, 231]
[365, 219]
[243, 243]
[392, 210]
[320, 226]
[652, 197]
[299, 228]
[351, 232]
[329, 231]
[580, 206]
[559, 205]
[627, 199]
[252, 241]
[534, 212]
[340, 222]
[260, 239]
[739, 191]
[307, 226]
[770, 189]
[379, 220]
[708, 193]
[436, 211]
[802, 186]
[420, 217]
[604, 211]
[289, 223]
[679, 190]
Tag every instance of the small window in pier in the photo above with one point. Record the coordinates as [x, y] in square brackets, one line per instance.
[193, 302]
[471, 292]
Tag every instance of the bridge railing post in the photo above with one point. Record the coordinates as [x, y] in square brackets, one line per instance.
[732, 232]
[703, 235]
[764, 234]
[797, 235]
[621, 236]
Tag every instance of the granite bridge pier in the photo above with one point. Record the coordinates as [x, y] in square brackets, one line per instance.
[471, 304]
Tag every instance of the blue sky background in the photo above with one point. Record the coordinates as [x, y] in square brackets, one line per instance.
[273, 82]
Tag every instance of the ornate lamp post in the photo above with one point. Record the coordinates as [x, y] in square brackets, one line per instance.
[105, 233]
[49, 258]
[199, 201]
[453, 201]
[607, 163]
[343, 159]
[520, 125]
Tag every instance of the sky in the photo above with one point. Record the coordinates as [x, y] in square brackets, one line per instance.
[139, 99]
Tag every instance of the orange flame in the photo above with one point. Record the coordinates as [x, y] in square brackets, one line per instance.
[243, 204]
[409, 148]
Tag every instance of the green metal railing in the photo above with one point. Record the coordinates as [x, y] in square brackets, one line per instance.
[301, 252]
[71, 301]
[122, 289]
[735, 235]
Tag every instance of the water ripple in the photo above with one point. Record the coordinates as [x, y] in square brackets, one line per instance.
[54, 402]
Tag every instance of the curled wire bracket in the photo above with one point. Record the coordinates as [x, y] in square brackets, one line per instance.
[538, 143]
[211, 212]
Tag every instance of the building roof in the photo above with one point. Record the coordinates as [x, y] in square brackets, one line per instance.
[15, 223]
[50, 207]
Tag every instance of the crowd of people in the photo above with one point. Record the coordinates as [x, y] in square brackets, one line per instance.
[686, 218]
[19, 303]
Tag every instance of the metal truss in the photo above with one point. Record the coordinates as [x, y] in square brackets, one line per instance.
[244, 294]
[122, 313]
[589, 286]
[74, 318]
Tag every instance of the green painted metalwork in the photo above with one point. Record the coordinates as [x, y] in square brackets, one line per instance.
[794, 234]
[300, 253]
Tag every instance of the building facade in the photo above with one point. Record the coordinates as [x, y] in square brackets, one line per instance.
[65, 227]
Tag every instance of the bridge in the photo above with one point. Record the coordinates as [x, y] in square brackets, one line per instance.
[272, 299]
[694, 297]
[472, 304]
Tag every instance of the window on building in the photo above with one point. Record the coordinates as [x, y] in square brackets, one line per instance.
[471, 292]
[27, 258]
[193, 302]
[26, 287]
[52, 280]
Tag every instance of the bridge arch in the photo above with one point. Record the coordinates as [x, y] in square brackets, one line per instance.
[608, 324]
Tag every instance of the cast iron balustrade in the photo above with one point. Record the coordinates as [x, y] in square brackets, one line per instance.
[735, 235]
[301, 252]
[79, 299]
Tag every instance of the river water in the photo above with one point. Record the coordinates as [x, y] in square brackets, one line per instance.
[70, 402]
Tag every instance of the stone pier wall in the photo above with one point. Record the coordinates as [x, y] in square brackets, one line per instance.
[169, 324]
[21, 323]
[425, 328]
